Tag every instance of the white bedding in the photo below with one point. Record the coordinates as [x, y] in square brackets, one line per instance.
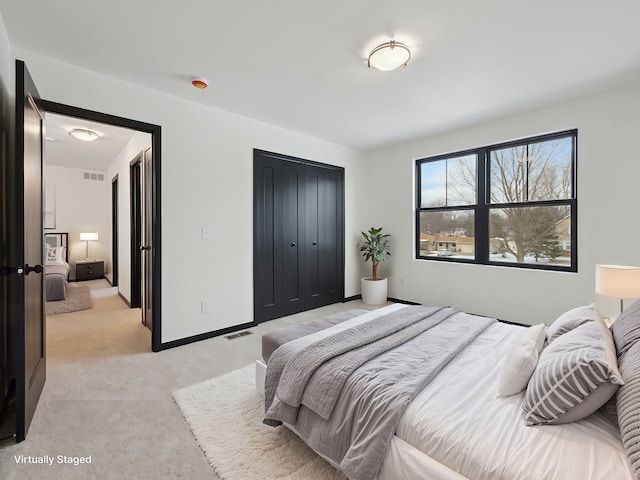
[458, 421]
[456, 428]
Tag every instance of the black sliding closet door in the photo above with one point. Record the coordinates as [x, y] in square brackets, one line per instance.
[298, 235]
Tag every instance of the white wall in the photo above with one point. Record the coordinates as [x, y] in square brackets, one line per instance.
[81, 206]
[207, 165]
[120, 167]
[608, 199]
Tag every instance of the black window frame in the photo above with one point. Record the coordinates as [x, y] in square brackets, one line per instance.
[483, 204]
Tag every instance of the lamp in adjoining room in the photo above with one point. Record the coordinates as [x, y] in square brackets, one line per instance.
[618, 281]
[88, 237]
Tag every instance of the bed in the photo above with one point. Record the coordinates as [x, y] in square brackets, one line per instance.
[455, 426]
[56, 266]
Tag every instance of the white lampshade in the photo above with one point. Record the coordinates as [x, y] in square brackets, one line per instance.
[618, 281]
[389, 56]
[84, 236]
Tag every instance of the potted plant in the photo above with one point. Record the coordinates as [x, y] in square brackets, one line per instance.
[375, 248]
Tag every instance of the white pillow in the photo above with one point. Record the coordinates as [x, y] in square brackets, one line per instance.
[521, 361]
[54, 256]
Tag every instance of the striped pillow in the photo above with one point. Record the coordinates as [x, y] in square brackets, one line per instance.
[628, 404]
[575, 375]
[626, 329]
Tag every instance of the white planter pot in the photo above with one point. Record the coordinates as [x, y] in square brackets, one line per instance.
[374, 292]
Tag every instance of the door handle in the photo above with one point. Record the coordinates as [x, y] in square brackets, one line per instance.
[35, 268]
[293, 244]
[315, 243]
[144, 247]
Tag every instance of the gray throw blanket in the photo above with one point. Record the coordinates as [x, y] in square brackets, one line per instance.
[344, 394]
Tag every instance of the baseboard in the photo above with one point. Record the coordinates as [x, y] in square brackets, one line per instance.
[204, 336]
[405, 302]
[390, 299]
[350, 299]
[125, 300]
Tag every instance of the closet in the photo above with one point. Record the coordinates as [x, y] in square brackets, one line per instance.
[298, 235]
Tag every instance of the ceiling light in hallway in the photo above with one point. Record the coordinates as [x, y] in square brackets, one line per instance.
[84, 135]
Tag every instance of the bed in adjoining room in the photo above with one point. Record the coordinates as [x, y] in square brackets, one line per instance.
[416, 392]
[56, 266]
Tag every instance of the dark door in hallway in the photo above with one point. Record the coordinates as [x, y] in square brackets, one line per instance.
[24, 252]
[147, 250]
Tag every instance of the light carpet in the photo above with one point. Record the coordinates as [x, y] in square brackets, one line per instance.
[225, 416]
[77, 298]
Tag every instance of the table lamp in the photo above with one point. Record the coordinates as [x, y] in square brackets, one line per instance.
[88, 237]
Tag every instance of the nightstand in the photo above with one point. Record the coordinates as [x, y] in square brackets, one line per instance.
[89, 269]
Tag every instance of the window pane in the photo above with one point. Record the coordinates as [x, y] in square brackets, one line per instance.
[447, 234]
[448, 182]
[535, 171]
[531, 235]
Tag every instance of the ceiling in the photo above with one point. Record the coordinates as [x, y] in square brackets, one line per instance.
[301, 64]
[64, 150]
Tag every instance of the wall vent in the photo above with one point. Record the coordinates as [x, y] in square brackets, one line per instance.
[93, 176]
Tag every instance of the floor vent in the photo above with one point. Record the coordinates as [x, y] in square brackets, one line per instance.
[238, 335]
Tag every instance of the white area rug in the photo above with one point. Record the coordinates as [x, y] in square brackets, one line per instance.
[225, 416]
[77, 298]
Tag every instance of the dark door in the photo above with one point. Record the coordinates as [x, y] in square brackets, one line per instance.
[298, 235]
[135, 174]
[290, 221]
[146, 248]
[24, 234]
[323, 236]
[115, 232]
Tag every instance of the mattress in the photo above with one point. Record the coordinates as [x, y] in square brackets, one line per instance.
[456, 428]
[55, 282]
[458, 421]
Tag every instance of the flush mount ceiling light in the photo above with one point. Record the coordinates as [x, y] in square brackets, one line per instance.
[84, 135]
[389, 56]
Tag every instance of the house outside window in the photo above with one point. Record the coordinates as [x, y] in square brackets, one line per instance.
[510, 204]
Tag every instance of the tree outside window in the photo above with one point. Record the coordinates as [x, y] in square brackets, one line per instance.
[502, 204]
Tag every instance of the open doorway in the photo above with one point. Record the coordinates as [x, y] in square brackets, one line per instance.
[113, 222]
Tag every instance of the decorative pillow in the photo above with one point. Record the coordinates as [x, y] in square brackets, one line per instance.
[569, 373]
[521, 361]
[54, 256]
[628, 407]
[626, 328]
[570, 320]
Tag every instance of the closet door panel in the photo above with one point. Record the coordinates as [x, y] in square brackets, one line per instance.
[267, 235]
[312, 234]
[331, 223]
[292, 218]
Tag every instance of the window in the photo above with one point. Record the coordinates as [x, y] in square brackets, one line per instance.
[512, 204]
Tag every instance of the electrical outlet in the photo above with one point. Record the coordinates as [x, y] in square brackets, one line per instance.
[206, 233]
[205, 306]
[401, 281]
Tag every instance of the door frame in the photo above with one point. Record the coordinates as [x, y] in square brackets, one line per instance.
[135, 222]
[115, 230]
[156, 137]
